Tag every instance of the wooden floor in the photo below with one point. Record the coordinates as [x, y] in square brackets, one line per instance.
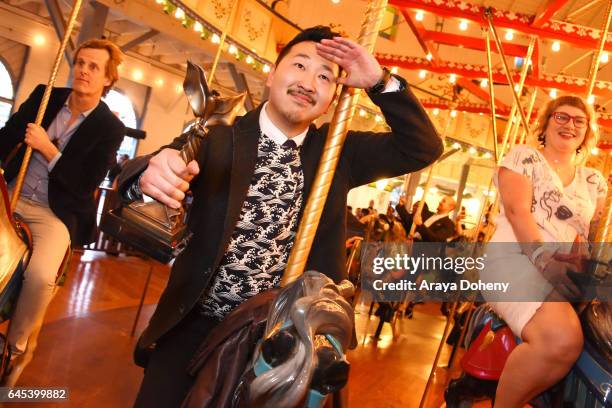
[85, 343]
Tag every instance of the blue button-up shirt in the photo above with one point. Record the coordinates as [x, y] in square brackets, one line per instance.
[36, 181]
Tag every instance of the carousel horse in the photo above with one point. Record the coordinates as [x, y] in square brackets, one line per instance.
[15, 251]
[489, 342]
[286, 348]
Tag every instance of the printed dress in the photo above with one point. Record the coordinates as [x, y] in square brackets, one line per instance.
[562, 213]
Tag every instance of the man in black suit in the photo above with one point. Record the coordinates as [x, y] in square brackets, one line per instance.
[255, 179]
[430, 227]
[72, 151]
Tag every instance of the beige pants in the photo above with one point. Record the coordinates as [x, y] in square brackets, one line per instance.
[50, 241]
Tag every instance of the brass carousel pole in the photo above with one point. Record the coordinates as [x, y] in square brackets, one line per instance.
[331, 153]
[601, 252]
[430, 170]
[523, 76]
[529, 112]
[492, 97]
[525, 69]
[600, 48]
[521, 85]
[45, 100]
[226, 29]
[489, 18]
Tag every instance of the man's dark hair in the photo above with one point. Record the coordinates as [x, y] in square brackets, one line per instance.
[315, 34]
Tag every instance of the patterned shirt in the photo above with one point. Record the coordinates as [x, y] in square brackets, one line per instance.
[263, 237]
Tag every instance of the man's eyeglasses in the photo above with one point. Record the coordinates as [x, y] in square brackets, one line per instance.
[563, 118]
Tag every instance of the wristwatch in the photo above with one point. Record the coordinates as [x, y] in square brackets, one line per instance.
[381, 84]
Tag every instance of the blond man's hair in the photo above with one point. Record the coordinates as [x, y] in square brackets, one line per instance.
[115, 57]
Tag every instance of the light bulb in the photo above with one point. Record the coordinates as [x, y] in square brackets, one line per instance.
[137, 75]
[39, 39]
[556, 46]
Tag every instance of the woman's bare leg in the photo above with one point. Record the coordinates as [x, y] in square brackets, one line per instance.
[552, 342]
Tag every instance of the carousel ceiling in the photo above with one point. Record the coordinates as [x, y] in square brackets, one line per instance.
[437, 45]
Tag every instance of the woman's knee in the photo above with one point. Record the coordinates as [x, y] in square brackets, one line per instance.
[559, 339]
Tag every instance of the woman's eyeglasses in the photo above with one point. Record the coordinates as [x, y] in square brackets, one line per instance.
[563, 118]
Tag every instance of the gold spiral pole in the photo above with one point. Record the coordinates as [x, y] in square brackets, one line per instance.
[517, 106]
[331, 153]
[601, 254]
[500, 49]
[226, 29]
[600, 48]
[492, 96]
[45, 100]
[529, 112]
[427, 186]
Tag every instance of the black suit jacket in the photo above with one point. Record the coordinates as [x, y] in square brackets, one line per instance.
[83, 164]
[227, 160]
[439, 231]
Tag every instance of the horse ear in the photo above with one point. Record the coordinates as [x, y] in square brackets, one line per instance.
[196, 88]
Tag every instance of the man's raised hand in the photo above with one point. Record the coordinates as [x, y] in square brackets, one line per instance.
[362, 69]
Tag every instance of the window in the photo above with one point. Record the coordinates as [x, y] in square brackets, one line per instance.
[121, 106]
[7, 94]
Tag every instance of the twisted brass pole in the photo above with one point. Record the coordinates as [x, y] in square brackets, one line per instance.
[226, 29]
[427, 185]
[45, 100]
[331, 153]
[601, 252]
[517, 106]
[492, 96]
[529, 112]
[500, 49]
[597, 55]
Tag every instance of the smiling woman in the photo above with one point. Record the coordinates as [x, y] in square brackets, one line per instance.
[549, 200]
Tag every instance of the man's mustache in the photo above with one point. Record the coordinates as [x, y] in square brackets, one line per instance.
[301, 92]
